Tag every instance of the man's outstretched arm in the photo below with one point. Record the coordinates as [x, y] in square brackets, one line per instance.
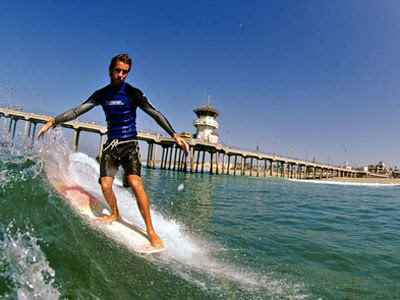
[163, 122]
[149, 109]
[67, 116]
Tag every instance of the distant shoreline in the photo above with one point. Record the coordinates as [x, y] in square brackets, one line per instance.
[364, 180]
[332, 179]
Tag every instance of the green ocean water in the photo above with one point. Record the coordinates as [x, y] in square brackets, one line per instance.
[227, 237]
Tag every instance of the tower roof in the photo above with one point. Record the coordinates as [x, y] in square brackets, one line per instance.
[206, 110]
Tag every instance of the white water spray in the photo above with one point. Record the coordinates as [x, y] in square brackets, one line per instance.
[26, 266]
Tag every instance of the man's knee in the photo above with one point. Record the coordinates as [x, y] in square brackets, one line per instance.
[106, 183]
[135, 181]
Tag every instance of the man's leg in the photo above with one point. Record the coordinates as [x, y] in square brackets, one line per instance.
[108, 193]
[125, 182]
[143, 203]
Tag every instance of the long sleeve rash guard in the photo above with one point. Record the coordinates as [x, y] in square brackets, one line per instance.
[118, 103]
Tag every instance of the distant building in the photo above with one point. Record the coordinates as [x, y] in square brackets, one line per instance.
[379, 168]
[396, 173]
[206, 124]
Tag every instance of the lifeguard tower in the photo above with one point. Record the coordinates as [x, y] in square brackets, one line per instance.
[206, 124]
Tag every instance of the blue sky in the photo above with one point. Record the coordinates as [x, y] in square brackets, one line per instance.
[316, 78]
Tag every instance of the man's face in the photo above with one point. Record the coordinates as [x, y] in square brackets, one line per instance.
[119, 73]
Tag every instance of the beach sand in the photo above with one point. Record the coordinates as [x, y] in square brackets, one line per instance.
[364, 180]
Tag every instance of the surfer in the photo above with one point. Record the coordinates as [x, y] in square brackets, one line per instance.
[119, 101]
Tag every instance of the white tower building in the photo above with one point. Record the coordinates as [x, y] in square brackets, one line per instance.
[206, 124]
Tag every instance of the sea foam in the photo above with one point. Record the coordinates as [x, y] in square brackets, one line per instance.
[26, 267]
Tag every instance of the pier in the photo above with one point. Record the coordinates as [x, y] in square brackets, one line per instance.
[222, 159]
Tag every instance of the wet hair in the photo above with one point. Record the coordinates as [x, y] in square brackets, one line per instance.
[122, 58]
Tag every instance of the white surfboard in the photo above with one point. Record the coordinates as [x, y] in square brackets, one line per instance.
[92, 209]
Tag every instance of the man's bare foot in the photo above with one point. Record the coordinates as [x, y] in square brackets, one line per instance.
[109, 219]
[155, 240]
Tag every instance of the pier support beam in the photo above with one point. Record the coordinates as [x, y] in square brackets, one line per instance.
[162, 157]
[265, 167]
[154, 155]
[33, 134]
[191, 159]
[24, 137]
[75, 140]
[3, 134]
[174, 165]
[149, 154]
[271, 168]
[170, 150]
[180, 158]
[28, 134]
[217, 162]
[166, 157]
[203, 161]
[197, 162]
[14, 129]
[211, 163]
[223, 163]
[186, 161]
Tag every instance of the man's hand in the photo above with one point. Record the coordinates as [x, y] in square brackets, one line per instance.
[46, 127]
[181, 142]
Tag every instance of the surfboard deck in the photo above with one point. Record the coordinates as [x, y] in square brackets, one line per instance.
[92, 209]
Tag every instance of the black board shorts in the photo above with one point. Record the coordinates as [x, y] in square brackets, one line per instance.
[125, 154]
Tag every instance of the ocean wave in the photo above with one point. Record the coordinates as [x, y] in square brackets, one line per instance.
[191, 257]
[17, 164]
[26, 269]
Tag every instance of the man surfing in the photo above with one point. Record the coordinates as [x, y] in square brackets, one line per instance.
[119, 101]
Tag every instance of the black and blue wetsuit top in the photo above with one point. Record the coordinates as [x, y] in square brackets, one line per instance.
[119, 105]
[120, 114]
